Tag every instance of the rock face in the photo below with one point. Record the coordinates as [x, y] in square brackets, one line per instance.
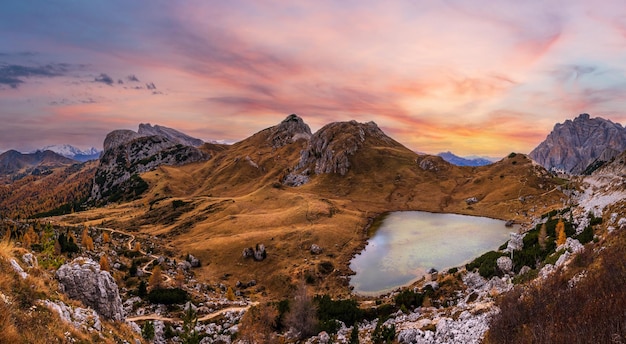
[145, 129]
[128, 153]
[330, 148]
[575, 145]
[83, 280]
[290, 130]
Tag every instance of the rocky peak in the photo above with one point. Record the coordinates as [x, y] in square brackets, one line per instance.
[128, 153]
[572, 146]
[330, 148]
[83, 280]
[145, 129]
[291, 129]
[119, 137]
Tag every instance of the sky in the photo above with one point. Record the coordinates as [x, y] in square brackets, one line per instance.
[474, 77]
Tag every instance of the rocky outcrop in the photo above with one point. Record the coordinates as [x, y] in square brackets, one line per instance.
[330, 149]
[290, 130]
[80, 318]
[119, 137]
[128, 154]
[145, 129]
[258, 253]
[83, 280]
[575, 145]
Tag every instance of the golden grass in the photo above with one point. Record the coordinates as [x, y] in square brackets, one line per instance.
[232, 205]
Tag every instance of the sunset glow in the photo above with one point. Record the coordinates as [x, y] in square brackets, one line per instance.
[472, 77]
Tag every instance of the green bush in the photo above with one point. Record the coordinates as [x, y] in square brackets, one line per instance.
[409, 298]
[346, 311]
[586, 235]
[486, 264]
[168, 296]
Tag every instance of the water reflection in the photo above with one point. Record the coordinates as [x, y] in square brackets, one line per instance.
[408, 243]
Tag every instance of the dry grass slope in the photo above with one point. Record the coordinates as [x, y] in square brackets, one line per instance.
[235, 200]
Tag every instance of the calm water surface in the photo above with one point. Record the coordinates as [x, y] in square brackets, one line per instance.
[408, 243]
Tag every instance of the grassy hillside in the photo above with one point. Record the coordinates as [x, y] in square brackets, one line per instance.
[217, 208]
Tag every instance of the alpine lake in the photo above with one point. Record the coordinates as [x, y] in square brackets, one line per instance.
[406, 244]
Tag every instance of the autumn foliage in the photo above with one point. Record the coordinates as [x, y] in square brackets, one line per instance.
[155, 281]
[87, 240]
[558, 310]
[104, 263]
[560, 232]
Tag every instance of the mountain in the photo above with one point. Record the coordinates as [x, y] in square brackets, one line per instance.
[459, 161]
[12, 161]
[573, 146]
[173, 135]
[74, 153]
[128, 153]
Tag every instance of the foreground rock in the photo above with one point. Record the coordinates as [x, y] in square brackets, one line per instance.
[83, 280]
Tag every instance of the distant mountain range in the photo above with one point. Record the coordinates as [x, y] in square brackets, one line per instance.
[467, 161]
[72, 152]
[12, 162]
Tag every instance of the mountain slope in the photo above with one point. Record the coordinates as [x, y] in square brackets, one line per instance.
[13, 161]
[44, 192]
[572, 146]
[216, 208]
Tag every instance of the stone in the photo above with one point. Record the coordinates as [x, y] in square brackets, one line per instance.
[471, 200]
[30, 260]
[80, 318]
[505, 264]
[18, 269]
[195, 262]
[83, 280]
[315, 249]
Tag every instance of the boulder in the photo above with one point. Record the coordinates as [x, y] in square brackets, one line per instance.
[195, 262]
[30, 260]
[18, 269]
[505, 264]
[83, 280]
[471, 200]
[315, 249]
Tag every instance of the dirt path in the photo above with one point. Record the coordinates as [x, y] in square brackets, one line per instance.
[200, 319]
[168, 279]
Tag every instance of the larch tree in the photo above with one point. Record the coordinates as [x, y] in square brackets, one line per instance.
[560, 233]
[106, 238]
[230, 295]
[87, 240]
[104, 263]
[543, 233]
[156, 278]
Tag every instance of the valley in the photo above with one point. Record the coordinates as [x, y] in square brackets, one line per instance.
[242, 229]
